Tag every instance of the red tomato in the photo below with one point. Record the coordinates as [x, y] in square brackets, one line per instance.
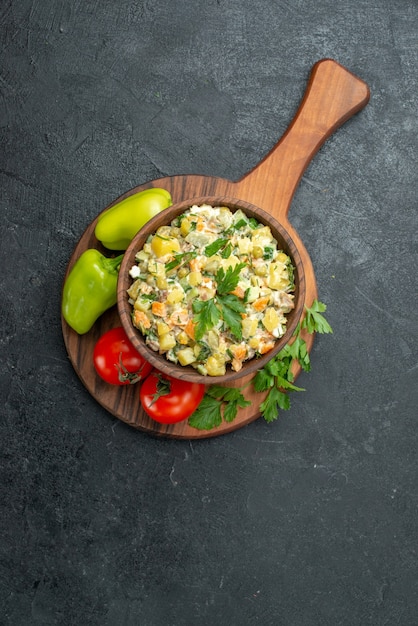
[169, 400]
[116, 360]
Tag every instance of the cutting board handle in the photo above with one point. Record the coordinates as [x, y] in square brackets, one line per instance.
[332, 96]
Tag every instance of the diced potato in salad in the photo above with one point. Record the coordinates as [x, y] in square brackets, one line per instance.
[211, 289]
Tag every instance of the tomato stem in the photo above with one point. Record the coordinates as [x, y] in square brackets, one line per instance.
[125, 375]
[163, 389]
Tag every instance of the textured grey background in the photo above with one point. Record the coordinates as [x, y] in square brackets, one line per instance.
[308, 521]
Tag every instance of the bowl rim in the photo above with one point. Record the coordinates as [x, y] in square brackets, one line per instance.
[188, 373]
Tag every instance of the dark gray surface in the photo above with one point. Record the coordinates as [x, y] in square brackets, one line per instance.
[308, 521]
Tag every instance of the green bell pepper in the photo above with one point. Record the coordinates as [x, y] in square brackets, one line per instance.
[117, 226]
[90, 289]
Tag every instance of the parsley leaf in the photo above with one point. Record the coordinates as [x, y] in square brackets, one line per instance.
[284, 383]
[227, 251]
[209, 312]
[280, 365]
[218, 403]
[263, 380]
[216, 391]
[204, 351]
[298, 350]
[149, 296]
[232, 302]
[234, 395]
[224, 305]
[231, 407]
[227, 281]
[242, 223]
[275, 400]
[207, 315]
[231, 308]
[208, 414]
[215, 246]
[314, 321]
[231, 398]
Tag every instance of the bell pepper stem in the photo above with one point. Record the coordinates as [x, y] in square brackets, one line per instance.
[112, 265]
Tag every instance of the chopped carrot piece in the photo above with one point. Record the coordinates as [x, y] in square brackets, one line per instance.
[239, 352]
[266, 347]
[141, 319]
[261, 303]
[159, 309]
[190, 328]
[238, 291]
[194, 265]
[200, 224]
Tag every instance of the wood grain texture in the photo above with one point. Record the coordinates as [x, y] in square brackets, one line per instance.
[332, 96]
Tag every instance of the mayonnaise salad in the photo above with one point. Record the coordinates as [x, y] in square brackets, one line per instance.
[211, 289]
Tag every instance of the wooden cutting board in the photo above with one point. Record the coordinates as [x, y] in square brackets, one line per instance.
[332, 96]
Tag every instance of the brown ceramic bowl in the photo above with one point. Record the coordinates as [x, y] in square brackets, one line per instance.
[159, 361]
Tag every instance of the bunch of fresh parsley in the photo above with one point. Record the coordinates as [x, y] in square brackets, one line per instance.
[276, 378]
